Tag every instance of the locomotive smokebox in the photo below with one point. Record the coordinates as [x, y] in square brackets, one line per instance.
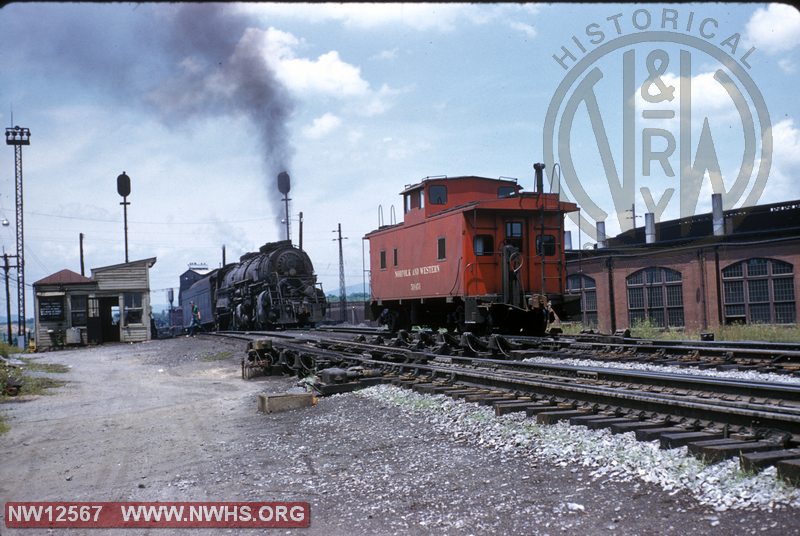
[284, 183]
[539, 168]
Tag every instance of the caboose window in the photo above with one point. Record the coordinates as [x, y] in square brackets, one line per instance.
[514, 234]
[441, 249]
[437, 194]
[506, 191]
[514, 229]
[422, 199]
[546, 245]
[383, 259]
[394, 256]
[407, 203]
[484, 245]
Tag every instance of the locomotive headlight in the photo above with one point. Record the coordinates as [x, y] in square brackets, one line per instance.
[292, 272]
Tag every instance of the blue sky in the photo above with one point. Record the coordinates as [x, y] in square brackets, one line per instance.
[202, 105]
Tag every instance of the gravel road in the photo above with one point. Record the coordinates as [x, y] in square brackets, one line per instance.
[171, 420]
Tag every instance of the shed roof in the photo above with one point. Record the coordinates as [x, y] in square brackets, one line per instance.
[147, 262]
[64, 277]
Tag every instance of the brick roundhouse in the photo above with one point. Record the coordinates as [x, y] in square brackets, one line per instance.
[697, 273]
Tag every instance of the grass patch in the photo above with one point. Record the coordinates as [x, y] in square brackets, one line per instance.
[31, 384]
[742, 332]
[4, 427]
[34, 366]
[219, 356]
[38, 385]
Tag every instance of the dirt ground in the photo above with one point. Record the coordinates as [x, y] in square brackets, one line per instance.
[171, 420]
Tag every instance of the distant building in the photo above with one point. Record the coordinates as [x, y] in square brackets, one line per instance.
[725, 267]
[112, 305]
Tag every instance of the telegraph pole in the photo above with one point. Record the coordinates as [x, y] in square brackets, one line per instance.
[8, 294]
[18, 136]
[342, 291]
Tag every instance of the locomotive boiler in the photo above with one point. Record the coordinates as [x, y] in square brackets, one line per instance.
[472, 254]
[273, 288]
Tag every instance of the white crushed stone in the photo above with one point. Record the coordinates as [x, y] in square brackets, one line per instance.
[722, 486]
[746, 375]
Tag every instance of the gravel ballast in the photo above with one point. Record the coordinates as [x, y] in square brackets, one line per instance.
[172, 420]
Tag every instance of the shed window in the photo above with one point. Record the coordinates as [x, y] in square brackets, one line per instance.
[133, 308]
[484, 245]
[437, 194]
[441, 249]
[78, 310]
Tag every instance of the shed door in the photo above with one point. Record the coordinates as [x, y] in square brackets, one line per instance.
[94, 329]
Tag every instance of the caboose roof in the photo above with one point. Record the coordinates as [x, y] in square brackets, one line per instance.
[445, 178]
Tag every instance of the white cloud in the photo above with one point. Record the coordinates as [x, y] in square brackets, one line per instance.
[527, 29]
[782, 183]
[322, 126]
[327, 75]
[386, 54]
[775, 29]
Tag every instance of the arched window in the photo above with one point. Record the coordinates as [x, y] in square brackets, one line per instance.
[655, 294]
[759, 291]
[586, 287]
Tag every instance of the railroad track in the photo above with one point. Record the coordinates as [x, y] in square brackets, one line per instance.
[717, 419]
[776, 358]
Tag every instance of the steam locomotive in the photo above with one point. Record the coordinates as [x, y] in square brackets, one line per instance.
[472, 254]
[273, 288]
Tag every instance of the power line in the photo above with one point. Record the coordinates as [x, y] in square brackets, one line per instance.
[202, 222]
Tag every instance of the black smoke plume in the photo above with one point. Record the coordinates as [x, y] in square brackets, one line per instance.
[224, 72]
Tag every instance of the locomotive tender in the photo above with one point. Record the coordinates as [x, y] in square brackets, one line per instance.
[275, 287]
[472, 254]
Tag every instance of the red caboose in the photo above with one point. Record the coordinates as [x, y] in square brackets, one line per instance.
[472, 254]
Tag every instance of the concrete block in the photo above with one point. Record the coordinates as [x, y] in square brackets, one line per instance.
[272, 403]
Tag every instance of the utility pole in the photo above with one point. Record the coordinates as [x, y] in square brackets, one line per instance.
[8, 294]
[81, 246]
[342, 291]
[18, 136]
